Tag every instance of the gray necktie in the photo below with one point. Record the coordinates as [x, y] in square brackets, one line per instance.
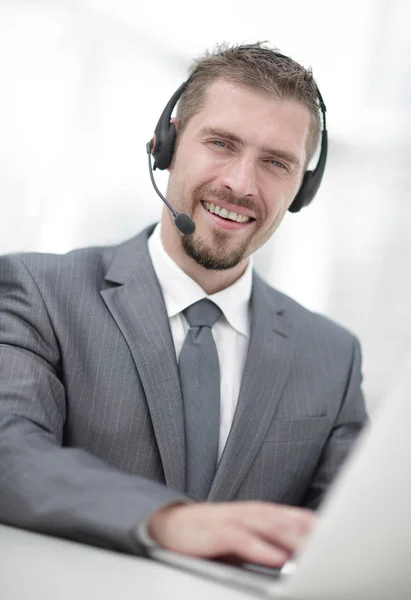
[200, 385]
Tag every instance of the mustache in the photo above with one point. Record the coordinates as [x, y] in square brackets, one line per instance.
[226, 196]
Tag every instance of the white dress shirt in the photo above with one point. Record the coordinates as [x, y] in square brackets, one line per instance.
[231, 332]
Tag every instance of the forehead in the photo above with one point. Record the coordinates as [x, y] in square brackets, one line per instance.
[257, 118]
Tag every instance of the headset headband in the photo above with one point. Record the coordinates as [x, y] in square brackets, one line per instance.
[163, 142]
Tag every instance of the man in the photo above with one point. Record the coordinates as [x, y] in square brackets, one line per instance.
[116, 409]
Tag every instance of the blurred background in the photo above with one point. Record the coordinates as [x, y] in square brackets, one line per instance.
[83, 82]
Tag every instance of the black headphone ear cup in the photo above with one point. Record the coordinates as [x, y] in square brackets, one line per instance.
[304, 195]
[312, 179]
[165, 136]
[164, 155]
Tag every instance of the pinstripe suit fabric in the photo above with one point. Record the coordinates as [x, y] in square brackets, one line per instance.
[91, 414]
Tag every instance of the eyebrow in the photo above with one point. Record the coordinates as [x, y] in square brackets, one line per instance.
[277, 152]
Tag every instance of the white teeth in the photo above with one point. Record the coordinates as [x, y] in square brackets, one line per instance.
[223, 212]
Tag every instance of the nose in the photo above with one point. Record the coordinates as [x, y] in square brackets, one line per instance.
[240, 177]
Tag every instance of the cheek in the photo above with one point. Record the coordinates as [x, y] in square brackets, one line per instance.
[203, 172]
[193, 174]
[276, 208]
[200, 166]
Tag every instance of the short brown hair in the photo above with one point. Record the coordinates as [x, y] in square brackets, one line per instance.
[254, 66]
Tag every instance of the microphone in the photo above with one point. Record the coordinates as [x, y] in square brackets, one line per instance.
[182, 221]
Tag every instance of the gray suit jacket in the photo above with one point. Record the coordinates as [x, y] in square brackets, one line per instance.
[91, 415]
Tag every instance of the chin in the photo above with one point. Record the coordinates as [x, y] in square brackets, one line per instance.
[207, 257]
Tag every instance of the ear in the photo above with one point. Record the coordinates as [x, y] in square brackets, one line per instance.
[174, 121]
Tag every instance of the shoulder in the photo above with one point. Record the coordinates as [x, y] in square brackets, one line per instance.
[308, 324]
[89, 264]
[83, 262]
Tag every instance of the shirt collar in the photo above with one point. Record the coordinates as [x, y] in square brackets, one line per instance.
[180, 291]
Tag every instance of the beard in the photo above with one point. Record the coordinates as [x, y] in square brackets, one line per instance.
[215, 254]
[211, 258]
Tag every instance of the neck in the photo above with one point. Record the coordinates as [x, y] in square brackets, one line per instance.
[212, 281]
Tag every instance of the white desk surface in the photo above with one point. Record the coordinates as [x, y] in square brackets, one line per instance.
[37, 567]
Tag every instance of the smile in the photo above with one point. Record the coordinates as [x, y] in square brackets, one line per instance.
[225, 214]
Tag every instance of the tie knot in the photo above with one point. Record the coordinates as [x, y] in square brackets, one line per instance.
[203, 313]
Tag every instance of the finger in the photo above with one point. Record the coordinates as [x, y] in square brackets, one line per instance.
[248, 547]
[233, 539]
[282, 532]
[303, 518]
[278, 526]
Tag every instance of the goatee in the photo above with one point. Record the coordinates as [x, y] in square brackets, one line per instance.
[213, 257]
[213, 253]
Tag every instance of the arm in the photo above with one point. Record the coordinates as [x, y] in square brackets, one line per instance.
[45, 486]
[70, 493]
[350, 420]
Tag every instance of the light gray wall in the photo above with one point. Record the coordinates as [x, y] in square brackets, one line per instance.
[82, 86]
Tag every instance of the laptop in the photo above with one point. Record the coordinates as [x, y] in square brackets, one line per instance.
[360, 548]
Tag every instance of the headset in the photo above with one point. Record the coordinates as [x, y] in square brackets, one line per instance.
[162, 145]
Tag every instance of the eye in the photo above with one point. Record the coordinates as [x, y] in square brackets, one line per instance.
[277, 163]
[219, 143]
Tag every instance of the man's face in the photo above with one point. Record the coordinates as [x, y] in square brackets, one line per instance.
[242, 156]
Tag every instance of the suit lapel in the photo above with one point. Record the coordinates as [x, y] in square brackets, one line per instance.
[136, 304]
[267, 366]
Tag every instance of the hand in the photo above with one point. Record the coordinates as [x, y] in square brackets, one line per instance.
[258, 532]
